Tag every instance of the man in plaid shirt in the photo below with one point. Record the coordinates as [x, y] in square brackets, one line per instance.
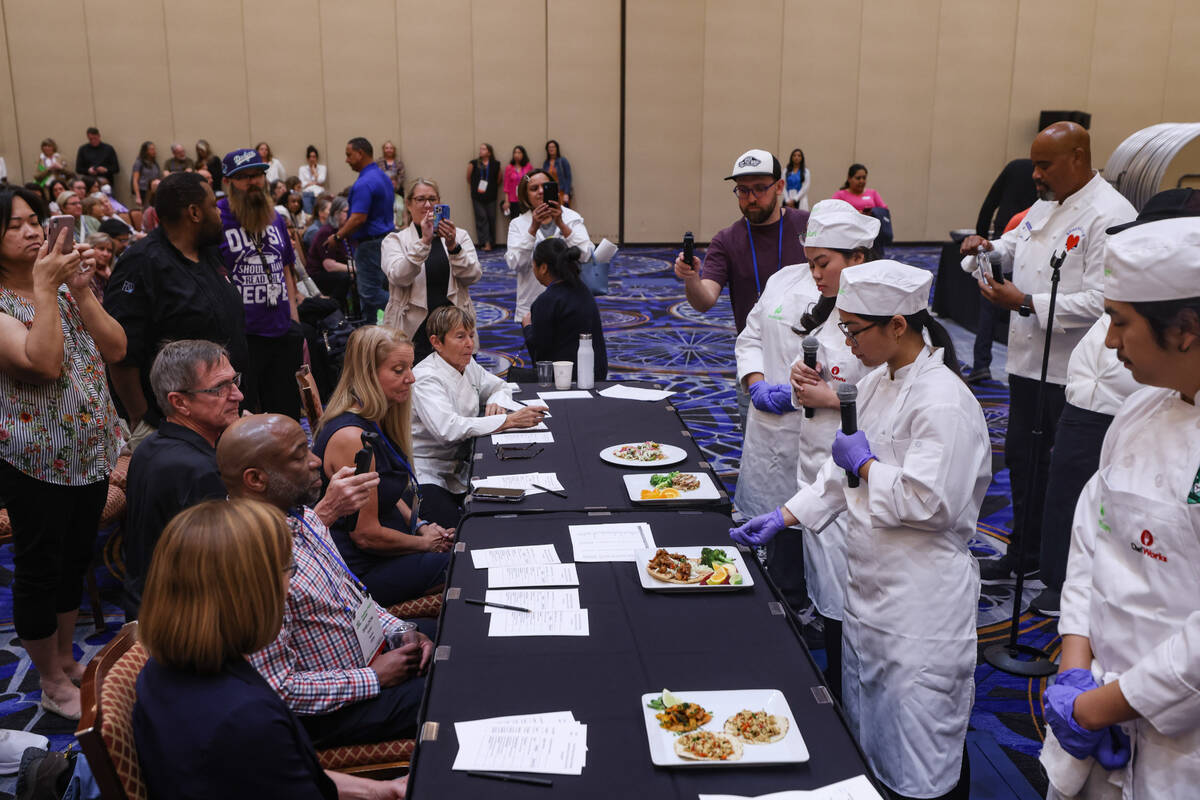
[317, 664]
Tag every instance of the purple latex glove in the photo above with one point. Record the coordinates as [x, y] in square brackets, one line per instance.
[851, 452]
[1081, 679]
[759, 530]
[1059, 701]
[1113, 751]
[774, 398]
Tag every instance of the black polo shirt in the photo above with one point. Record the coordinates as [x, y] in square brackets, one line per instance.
[159, 296]
[175, 468]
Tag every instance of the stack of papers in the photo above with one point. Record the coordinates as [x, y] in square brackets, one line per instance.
[566, 394]
[546, 743]
[858, 788]
[539, 437]
[532, 575]
[524, 480]
[610, 542]
[533, 599]
[622, 392]
[539, 623]
[514, 556]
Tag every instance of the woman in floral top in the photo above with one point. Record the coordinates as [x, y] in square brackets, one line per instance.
[58, 434]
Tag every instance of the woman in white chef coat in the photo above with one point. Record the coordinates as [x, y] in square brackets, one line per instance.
[449, 390]
[783, 449]
[1130, 620]
[924, 461]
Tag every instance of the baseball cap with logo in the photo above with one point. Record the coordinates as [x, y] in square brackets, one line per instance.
[241, 160]
[756, 162]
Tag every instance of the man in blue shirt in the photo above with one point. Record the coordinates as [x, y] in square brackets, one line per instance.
[371, 218]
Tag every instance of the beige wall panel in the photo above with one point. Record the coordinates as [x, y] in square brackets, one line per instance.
[663, 96]
[1051, 68]
[583, 87]
[1181, 98]
[10, 142]
[1129, 70]
[50, 61]
[741, 98]
[818, 97]
[437, 115]
[509, 79]
[358, 69]
[897, 65]
[970, 111]
[207, 67]
[287, 101]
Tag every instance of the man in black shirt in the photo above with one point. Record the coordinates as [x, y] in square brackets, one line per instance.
[173, 285]
[97, 158]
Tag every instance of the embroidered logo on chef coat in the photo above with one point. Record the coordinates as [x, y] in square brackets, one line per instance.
[1194, 494]
[833, 373]
[1144, 548]
[1074, 238]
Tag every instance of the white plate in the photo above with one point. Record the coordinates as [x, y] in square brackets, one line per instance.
[652, 584]
[723, 705]
[635, 482]
[673, 454]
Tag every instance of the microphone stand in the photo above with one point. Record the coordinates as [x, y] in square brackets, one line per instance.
[1007, 657]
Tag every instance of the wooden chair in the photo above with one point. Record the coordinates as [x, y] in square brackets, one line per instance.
[105, 731]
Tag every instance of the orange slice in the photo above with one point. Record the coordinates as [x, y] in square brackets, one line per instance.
[719, 575]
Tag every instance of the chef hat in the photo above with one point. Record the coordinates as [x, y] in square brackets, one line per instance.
[1154, 261]
[883, 288]
[837, 225]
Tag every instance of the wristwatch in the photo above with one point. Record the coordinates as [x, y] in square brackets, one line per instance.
[1026, 307]
[457, 249]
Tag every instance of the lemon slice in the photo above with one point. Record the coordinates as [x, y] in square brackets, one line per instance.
[669, 699]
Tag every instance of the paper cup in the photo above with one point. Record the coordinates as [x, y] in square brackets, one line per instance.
[562, 374]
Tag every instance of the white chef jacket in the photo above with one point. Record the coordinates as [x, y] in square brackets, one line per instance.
[1096, 380]
[446, 418]
[1075, 226]
[1133, 585]
[403, 257]
[519, 253]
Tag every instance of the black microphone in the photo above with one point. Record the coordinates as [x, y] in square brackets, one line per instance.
[811, 346]
[848, 396]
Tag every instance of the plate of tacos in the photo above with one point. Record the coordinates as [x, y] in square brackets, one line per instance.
[721, 728]
[695, 569]
[671, 487]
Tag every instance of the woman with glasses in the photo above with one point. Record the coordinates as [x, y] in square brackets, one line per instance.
[206, 723]
[427, 266]
[910, 483]
[59, 434]
[389, 544]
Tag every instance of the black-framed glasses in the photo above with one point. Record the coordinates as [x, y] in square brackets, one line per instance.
[853, 335]
[511, 452]
[222, 389]
[757, 191]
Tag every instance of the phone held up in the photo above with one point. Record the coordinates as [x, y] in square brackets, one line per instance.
[362, 459]
[550, 192]
[689, 247]
[57, 224]
[441, 212]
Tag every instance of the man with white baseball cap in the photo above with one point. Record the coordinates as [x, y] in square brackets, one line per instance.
[751, 250]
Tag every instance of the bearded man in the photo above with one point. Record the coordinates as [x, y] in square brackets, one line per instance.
[258, 254]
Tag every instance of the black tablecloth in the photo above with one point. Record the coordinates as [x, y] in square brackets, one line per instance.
[639, 642]
[582, 428]
[956, 295]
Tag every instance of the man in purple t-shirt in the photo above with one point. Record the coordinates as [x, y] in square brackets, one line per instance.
[258, 254]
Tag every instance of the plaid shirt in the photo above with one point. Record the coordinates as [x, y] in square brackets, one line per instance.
[316, 663]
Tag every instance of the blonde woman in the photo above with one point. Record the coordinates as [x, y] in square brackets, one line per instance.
[388, 545]
[205, 722]
[427, 266]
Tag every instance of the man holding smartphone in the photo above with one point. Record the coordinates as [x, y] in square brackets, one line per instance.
[372, 217]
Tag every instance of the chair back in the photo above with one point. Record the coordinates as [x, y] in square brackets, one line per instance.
[105, 731]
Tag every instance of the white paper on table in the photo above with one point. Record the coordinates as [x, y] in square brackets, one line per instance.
[539, 437]
[857, 788]
[610, 541]
[541, 426]
[532, 575]
[548, 718]
[540, 623]
[513, 387]
[539, 404]
[554, 746]
[567, 394]
[523, 480]
[509, 405]
[514, 556]
[533, 599]
[622, 392]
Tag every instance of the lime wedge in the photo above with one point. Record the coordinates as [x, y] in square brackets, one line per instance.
[669, 699]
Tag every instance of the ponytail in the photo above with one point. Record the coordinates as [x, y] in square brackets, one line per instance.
[560, 259]
[938, 335]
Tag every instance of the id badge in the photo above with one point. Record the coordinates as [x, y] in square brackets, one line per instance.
[482, 187]
[368, 629]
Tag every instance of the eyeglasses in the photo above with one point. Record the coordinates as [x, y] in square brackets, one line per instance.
[290, 569]
[853, 335]
[421, 201]
[222, 389]
[757, 191]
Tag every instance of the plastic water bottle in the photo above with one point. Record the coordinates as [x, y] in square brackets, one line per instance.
[585, 363]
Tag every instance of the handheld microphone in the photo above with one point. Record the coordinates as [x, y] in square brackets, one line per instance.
[848, 397]
[811, 346]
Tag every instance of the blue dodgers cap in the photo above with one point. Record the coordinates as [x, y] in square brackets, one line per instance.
[240, 160]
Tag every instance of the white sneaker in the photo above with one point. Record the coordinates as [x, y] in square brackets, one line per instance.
[13, 745]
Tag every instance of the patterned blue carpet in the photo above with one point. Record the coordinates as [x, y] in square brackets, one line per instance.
[654, 335]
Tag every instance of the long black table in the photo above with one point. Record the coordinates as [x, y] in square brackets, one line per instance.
[639, 642]
[582, 428]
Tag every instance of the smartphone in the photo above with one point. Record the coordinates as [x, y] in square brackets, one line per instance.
[58, 223]
[997, 273]
[362, 459]
[550, 192]
[498, 493]
[689, 246]
[440, 212]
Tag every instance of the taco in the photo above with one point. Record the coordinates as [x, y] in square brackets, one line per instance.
[756, 727]
[676, 568]
[708, 746]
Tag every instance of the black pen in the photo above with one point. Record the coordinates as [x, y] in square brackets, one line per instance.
[505, 776]
[495, 605]
[551, 491]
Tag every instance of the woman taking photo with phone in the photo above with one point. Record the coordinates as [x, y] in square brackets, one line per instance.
[388, 545]
[559, 169]
[428, 266]
[564, 311]
[59, 434]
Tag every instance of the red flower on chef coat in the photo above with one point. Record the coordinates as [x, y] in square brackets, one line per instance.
[1072, 240]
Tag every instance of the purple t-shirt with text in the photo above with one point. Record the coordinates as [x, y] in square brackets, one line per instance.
[729, 260]
[263, 286]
